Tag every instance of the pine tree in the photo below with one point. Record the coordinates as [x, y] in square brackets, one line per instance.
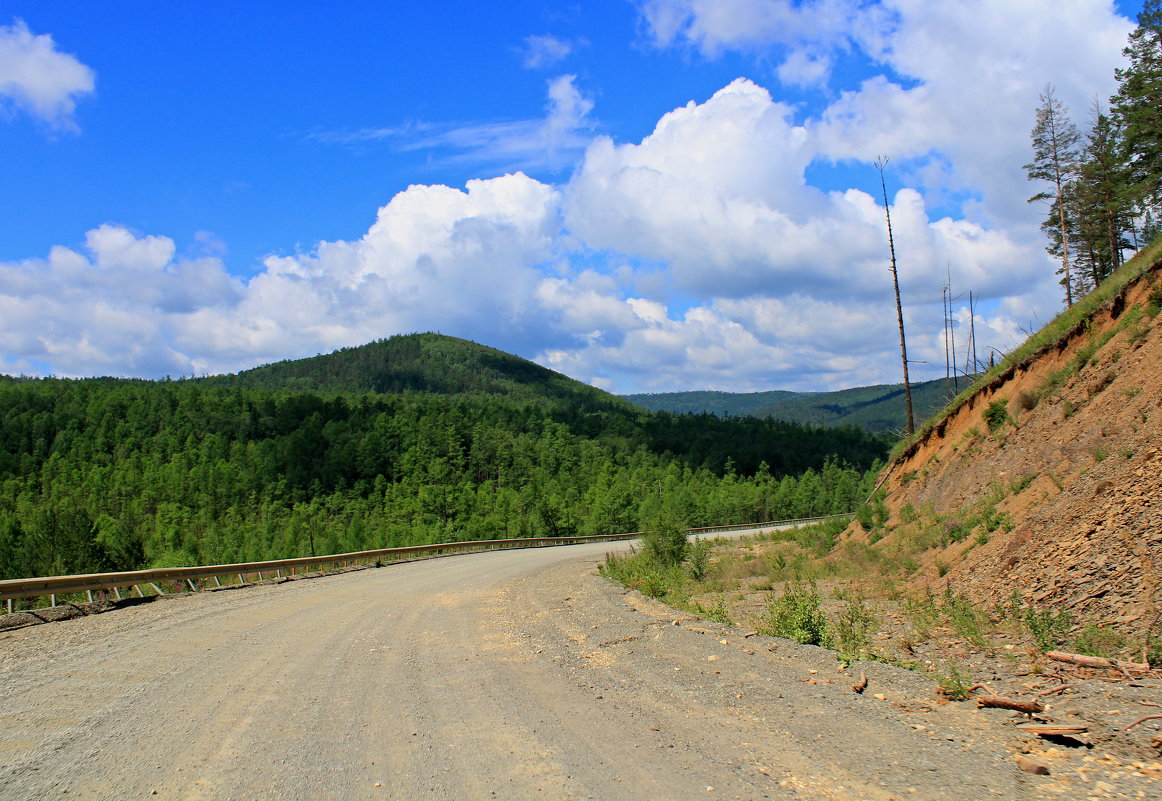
[1055, 160]
[1099, 203]
[1137, 107]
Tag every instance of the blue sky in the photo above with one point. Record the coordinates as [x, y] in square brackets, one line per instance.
[648, 196]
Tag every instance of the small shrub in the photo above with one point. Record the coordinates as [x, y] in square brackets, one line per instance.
[797, 615]
[953, 531]
[667, 545]
[853, 629]
[1022, 483]
[1067, 408]
[1099, 454]
[994, 520]
[922, 613]
[1085, 354]
[964, 618]
[1029, 400]
[1154, 302]
[1098, 641]
[698, 557]
[997, 415]
[718, 613]
[954, 683]
[908, 513]
[1048, 629]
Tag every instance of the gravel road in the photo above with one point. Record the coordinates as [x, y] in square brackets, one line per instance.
[505, 675]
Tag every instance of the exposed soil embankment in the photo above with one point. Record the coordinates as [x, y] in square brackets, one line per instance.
[1048, 481]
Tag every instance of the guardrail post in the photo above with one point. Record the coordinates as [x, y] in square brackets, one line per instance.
[90, 592]
[191, 583]
[159, 591]
[240, 579]
[117, 592]
[52, 599]
[218, 581]
[9, 606]
[140, 594]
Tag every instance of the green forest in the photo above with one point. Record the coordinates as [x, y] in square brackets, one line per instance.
[411, 440]
[877, 408]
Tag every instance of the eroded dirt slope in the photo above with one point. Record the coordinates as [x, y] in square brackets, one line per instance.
[1060, 497]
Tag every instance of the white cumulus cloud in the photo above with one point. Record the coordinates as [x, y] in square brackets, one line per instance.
[37, 78]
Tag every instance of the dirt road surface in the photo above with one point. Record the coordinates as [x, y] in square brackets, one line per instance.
[505, 675]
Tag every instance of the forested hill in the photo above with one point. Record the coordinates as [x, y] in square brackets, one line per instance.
[704, 401]
[878, 409]
[422, 363]
[469, 443]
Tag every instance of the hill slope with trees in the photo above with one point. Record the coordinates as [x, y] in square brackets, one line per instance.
[879, 409]
[305, 458]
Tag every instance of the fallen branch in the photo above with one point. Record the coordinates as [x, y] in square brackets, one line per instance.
[1098, 662]
[1053, 690]
[1053, 730]
[1142, 720]
[1000, 702]
[860, 685]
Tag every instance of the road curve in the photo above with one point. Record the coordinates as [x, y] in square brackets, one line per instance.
[503, 675]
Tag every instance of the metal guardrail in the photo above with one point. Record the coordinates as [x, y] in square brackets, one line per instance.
[11, 589]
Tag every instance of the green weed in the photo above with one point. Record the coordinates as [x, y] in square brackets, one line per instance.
[954, 682]
[1095, 640]
[1049, 629]
[797, 615]
[853, 630]
[964, 618]
[997, 415]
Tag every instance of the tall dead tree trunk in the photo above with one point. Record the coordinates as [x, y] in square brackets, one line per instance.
[880, 163]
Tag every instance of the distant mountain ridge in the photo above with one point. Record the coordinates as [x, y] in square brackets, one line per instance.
[425, 362]
[722, 404]
[877, 409]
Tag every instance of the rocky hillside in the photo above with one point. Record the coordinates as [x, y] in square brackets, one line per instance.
[1046, 479]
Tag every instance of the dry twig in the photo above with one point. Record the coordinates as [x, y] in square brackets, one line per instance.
[1142, 720]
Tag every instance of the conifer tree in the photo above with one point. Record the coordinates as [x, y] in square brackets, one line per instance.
[1099, 203]
[1137, 107]
[1055, 160]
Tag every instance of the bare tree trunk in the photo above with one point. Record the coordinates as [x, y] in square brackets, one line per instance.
[1064, 245]
[880, 163]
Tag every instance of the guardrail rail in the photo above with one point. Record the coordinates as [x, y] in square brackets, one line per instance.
[52, 586]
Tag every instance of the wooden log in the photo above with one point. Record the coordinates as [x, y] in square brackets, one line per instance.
[860, 685]
[1052, 730]
[1098, 662]
[1000, 702]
